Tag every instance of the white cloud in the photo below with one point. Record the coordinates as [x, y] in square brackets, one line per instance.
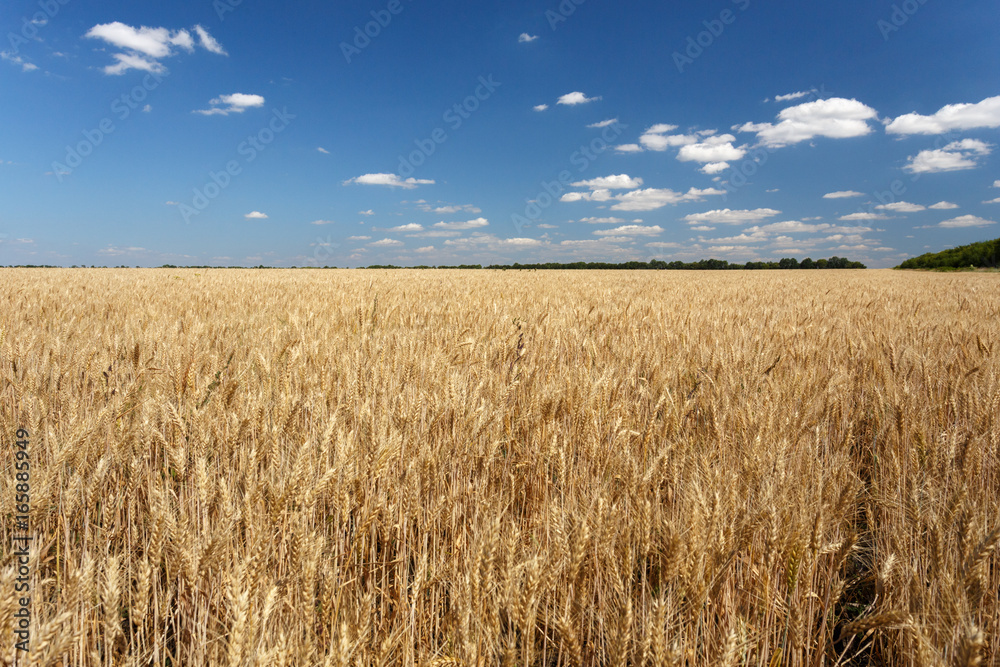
[834, 118]
[256, 215]
[629, 148]
[411, 227]
[602, 221]
[651, 199]
[943, 206]
[359, 238]
[714, 167]
[993, 201]
[389, 180]
[223, 105]
[386, 243]
[792, 96]
[18, 60]
[368, 212]
[863, 216]
[521, 242]
[985, 114]
[631, 230]
[843, 194]
[322, 222]
[730, 217]
[468, 224]
[966, 221]
[662, 244]
[996, 184]
[144, 47]
[603, 194]
[465, 208]
[713, 149]
[661, 128]
[524, 38]
[901, 207]
[323, 150]
[425, 249]
[604, 123]
[208, 42]
[619, 182]
[660, 142]
[575, 98]
[127, 61]
[540, 107]
[956, 156]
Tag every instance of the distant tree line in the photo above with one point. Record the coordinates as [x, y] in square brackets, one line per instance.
[985, 254]
[659, 265]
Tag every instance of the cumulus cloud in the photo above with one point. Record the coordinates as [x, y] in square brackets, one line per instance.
[727, 216]
[713, 149]
[956, 156]
[651, 199]
[223, 105]
[525, 38]
[662, 244]
[843, 194]
[572, 99]
[18, 60]
[943, 206]
[540, 107]
[834, 118]
[602, 221]
[359, 238]
[468, 224]
[604, 123]
[863, 216]
[985, 114]
[144, 47]
[323, 150]
[386, 243]
[631, 230]
[208, 42]
[629, 148]
[411, 227]
[521, 242]
[966, 221]
[714, 168]
[619, 182]
[993, 201]
[901, 207]
[256, 215]
[388, 180]
[322, 222]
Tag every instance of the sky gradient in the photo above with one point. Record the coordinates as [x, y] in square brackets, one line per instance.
[239, 132]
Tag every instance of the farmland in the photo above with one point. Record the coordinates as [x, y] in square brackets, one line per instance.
[528, 468]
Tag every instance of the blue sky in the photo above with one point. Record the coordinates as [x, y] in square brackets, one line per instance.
[409, 132]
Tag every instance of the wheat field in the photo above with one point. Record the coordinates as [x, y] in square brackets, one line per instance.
[480, 468]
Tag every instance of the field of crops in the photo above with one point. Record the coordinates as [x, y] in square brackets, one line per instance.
[480, 468]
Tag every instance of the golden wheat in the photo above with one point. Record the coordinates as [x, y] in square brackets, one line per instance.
[524, 468]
